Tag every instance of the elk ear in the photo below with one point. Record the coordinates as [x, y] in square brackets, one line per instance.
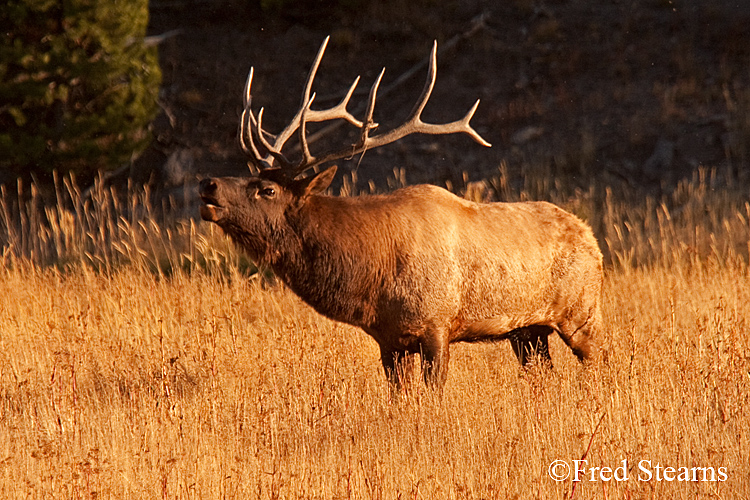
[315, 183]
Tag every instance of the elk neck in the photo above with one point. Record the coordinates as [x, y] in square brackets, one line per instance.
[333, 255]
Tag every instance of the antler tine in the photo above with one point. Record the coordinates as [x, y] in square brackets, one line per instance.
[468, 129]
[368, 123]
[416, 112]
[338, 111]
[306, 156]
[247, 119]
[251, 151]
[285, 134]
[272, 150]
[247, 94]
[313, 72]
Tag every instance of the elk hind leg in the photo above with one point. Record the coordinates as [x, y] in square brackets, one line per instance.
[580, 336]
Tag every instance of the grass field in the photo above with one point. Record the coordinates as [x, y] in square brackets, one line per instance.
[142, 361]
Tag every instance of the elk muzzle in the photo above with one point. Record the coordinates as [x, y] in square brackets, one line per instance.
[211, 209]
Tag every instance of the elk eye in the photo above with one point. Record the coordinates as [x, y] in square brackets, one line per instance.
[268, 192]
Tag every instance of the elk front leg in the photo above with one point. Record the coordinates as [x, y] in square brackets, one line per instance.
[398, 366]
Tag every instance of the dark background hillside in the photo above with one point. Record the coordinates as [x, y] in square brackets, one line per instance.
[635, 91]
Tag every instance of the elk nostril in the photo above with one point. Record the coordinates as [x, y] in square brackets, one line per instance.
[207, 186]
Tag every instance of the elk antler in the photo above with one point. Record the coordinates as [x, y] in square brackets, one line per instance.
[251, 127]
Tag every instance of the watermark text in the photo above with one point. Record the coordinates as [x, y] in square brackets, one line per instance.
[644, 470]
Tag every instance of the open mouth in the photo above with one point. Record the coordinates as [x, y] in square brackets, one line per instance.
[211, 210]
[209, 200]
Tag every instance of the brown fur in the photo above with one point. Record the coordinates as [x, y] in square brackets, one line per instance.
[420, 268]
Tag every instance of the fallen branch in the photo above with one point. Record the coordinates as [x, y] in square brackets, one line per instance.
[585, 454]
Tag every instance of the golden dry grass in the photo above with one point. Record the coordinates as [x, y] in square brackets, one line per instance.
[124, 381]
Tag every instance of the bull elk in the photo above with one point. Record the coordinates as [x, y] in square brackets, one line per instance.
[419, 268]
